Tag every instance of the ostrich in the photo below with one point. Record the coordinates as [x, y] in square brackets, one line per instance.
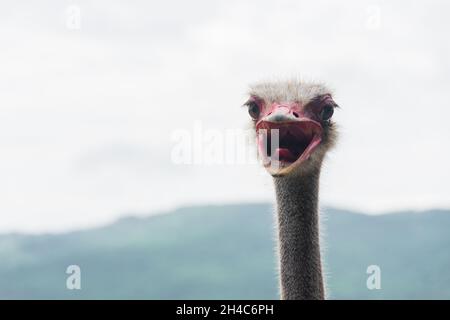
[294, 131]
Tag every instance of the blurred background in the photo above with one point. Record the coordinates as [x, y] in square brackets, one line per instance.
[91, 94]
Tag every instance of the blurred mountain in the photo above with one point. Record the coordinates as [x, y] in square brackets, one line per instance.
[227, 252]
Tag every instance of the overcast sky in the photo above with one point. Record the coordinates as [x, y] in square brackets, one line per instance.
[88, 105]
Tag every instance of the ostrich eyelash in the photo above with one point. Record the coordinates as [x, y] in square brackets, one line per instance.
[320, 100]
[249, 103]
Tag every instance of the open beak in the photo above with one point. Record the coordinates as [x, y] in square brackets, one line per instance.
[286, 139]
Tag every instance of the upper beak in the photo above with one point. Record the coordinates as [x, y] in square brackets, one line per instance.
[280, 115]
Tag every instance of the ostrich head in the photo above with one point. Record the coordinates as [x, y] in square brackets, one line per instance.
[293, 125]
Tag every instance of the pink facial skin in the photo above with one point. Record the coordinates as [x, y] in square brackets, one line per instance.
[310, 111]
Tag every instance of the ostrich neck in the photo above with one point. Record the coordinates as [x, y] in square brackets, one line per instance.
[298, 232]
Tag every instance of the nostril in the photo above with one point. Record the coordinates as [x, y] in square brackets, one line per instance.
[295, 114]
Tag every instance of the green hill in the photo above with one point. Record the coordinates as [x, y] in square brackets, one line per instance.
[227, 252]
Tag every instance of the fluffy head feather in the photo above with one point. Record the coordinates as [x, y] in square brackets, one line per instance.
[288, 90]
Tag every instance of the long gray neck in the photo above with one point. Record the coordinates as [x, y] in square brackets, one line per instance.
[298, 231]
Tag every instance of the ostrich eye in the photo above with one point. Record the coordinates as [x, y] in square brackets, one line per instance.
[327, 112]
[253, 110]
